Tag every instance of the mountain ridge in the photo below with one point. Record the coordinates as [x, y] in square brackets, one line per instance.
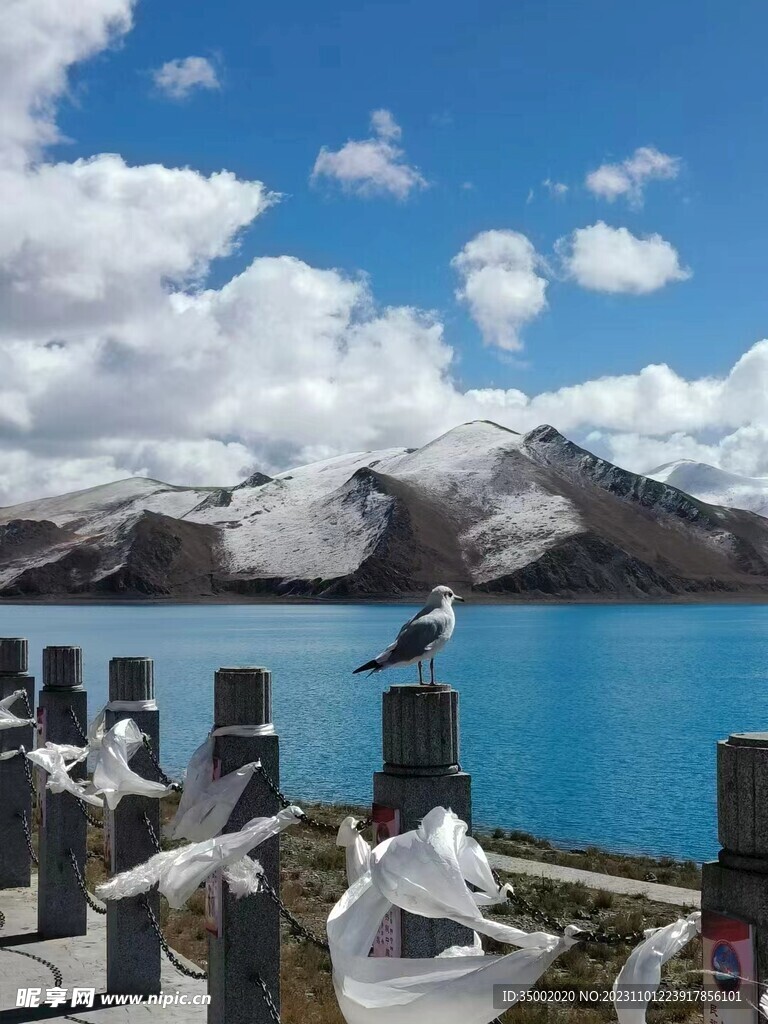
[481, 507]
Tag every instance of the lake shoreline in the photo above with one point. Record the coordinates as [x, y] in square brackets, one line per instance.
[394, 599]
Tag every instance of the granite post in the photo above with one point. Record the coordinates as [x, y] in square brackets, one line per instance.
[15, 795]
[244, 935]
[736, 884]
[420, 733]
[61, 906]
[133, 949]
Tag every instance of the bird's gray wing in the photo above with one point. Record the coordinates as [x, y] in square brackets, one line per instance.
[418, 636]
[420, 614]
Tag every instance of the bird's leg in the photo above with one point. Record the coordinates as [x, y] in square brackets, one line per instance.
[432, 671]
[421, 677]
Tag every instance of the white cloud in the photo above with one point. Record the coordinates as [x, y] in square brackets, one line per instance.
[118, 358]
[178, 78]
[501, 285]
[629, 177]
[39, 41]
[374, 166]
[556, 189]
[384, 125]
[606, 259]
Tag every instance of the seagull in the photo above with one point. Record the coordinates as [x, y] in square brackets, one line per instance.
[422, 636]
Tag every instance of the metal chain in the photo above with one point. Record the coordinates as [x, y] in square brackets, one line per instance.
[30, 712]
[180, 967]
[81, 884]
[305, 818]
[585, 935]
[152, 833]
[2, 919]
[78, 726]
[270, 1004]
[28, 837]
[156, 764]
[58, 977]
[95, 822]
[297, 928]
[28, 773]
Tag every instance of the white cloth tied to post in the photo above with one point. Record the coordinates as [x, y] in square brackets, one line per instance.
[112, 777]
[643, 968]
[207, 803]
[426, 872]
[58, 760]
[97, 728]
[245, 730]
[178, 873]
[7, 718]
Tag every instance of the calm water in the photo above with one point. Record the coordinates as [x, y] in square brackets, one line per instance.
[585, 724]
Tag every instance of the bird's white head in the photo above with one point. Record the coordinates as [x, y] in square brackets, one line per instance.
[443, 595]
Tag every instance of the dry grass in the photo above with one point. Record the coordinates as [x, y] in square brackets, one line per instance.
[665, 870]
[312, 876]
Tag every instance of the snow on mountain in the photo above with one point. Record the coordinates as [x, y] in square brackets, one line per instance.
[110, 504]
[716, 486]
[479, 507]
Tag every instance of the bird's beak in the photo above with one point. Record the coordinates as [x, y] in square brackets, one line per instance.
[457, 598]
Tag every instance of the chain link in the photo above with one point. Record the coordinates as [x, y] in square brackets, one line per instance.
[28, 773]
[30, 712]
[58, 977]
[180, 967]
[83, 734]
[585, 935]
[94, 822]
[305, 818]
[156, 765]
[28, 836]
[270, 1003]
[82, 886]
[297, 928]
[152, 833]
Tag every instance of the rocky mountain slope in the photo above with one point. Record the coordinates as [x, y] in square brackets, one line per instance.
[716, 486]
[480, 508]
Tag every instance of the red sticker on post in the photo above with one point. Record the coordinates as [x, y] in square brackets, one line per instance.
[388, 941]
[729, 969]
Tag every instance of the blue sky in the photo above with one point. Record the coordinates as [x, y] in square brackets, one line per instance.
[497, 94]
[358, 311]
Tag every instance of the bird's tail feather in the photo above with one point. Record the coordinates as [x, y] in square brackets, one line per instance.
[374, 666]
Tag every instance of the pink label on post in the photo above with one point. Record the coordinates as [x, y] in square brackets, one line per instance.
[388, 941]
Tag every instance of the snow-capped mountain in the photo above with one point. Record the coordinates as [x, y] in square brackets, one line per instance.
[716, 486]
[479, 508]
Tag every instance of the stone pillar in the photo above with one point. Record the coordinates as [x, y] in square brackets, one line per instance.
[133, 949]
[15, 795]
[61, 906]
[736, 884]
[249, 938]
[420, 733]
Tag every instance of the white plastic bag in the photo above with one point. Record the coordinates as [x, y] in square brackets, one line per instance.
[423, 872]
[7, 718]
[643, 968]
[207, 803]
[97, 728]
[178, 873]
[58, 760]
[111, 775]
[357, 850]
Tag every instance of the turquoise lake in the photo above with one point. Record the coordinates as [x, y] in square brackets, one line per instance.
[586, 724]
